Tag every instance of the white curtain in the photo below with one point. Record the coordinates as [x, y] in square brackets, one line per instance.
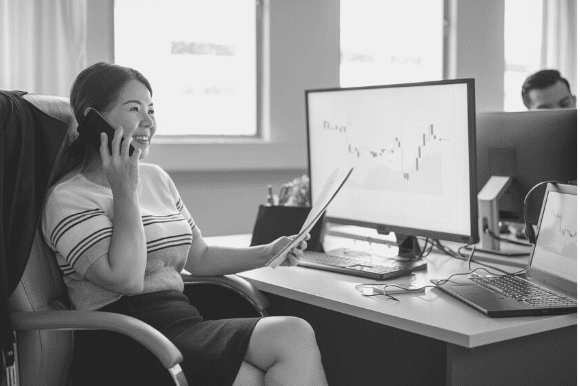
[559, 38]
[42, 45]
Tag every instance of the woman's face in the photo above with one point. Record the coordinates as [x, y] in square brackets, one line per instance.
[133, 110]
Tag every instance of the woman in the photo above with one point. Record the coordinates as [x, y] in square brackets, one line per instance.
[122, 236]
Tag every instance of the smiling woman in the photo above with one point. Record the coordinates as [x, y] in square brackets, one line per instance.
[122, 236]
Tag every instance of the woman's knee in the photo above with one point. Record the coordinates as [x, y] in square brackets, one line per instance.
[282, 337]
[295, 336]
[299, 329]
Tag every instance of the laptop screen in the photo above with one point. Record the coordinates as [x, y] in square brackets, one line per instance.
[556, 244]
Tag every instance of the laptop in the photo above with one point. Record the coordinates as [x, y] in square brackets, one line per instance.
[548, 284]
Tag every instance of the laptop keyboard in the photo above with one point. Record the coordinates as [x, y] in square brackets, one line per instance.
[524, 291]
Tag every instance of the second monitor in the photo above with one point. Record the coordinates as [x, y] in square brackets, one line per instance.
[529, 146]
[520, 150]
[412, 147]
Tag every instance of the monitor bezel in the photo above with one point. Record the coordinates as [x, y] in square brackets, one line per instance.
[471, 238]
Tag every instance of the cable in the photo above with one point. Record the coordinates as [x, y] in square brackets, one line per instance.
[530, 233]
[447, 250]
[450, 252]
[427, 242]
[461, 256]
[360, 286]
[470, 259]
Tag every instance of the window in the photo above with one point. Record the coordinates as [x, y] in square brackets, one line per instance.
[201, 57]
[390, 41]
[523, 39]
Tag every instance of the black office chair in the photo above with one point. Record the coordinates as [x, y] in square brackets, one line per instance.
[44, 322]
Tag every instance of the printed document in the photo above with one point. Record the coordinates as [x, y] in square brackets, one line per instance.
[333, 184]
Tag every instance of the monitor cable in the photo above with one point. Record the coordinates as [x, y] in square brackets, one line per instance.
[428, 244]
[529, 230]
[465, 257]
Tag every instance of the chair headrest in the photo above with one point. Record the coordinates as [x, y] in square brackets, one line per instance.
[58, 107]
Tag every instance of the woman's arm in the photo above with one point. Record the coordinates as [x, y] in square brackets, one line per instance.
[215, 260]
[122, 270]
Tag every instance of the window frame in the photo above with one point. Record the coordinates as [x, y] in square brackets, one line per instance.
[269, 149]
[287, 25]
[449, 40]
[225, 138]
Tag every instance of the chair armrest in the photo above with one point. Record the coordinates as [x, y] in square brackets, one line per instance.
[235, 283]
[152, 339]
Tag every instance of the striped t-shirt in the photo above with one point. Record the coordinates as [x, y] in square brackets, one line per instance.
[77, 225]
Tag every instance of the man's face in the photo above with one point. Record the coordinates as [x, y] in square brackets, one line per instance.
[556, 96]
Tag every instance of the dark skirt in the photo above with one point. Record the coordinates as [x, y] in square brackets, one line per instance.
[213, 350]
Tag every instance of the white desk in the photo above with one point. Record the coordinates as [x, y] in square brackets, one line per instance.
[537, 349]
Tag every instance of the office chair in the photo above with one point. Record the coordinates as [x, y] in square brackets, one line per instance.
[44, 322]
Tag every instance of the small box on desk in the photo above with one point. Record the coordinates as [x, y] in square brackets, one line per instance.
[273, 222]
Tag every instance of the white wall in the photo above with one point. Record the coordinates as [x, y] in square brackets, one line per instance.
[480, 50]
[303, 52]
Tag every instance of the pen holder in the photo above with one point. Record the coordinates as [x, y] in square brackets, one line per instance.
[273, 222]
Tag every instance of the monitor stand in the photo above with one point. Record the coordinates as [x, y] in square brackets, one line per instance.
[408, 246]
[487, 200]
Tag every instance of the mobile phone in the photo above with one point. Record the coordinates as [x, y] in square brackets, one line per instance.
[93, 124]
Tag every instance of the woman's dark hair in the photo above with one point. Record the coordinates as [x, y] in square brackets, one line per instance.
[97, 86]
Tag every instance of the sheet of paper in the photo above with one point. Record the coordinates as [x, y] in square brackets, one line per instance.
[333, 184]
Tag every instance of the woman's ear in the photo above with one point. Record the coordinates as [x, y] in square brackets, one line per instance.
[86, 111]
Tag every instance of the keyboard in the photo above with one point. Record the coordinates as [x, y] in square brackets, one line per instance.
[524, 291]
[388, 269]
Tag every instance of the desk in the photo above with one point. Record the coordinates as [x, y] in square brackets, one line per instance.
[424, 339]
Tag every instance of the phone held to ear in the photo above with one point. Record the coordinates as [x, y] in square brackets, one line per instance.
[93, 124]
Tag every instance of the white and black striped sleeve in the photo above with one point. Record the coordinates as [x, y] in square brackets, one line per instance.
[180, 206]
[77, 229]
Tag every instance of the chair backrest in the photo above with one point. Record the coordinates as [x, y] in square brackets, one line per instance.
[44, 357]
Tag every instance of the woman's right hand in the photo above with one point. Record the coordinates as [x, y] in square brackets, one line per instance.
[122, 270]
[121, 170]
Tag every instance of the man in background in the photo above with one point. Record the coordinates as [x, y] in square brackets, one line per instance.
[547, 89]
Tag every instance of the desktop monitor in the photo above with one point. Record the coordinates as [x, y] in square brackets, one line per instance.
[412, 147]
[531, 147]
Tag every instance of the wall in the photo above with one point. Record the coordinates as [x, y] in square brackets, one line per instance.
[227, 202]
[480, 49]
[302, 53]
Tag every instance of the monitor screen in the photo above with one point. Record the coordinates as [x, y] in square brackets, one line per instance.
[556, 249]
[530, 146]
[412, 147]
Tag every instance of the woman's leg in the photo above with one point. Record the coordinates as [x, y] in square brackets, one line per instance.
[285, 348]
